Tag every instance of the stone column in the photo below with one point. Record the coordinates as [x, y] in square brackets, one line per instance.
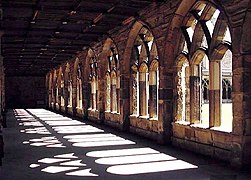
[1, 78]
[113, 95]
[153, 99]
[66, 94]
[187, 96]
[142, 94]
[93, 92]
[134, 93]
[87, 97]
[125, 104]
[165, 104]
[74, 98]
[47, 97]
[195, 99]
[215, 83]
[118, 93]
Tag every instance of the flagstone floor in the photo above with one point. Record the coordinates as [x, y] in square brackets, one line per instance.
[40, 144]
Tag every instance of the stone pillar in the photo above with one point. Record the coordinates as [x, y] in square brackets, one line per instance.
[134, 92]
[165, 104]
[187, 96]
[215, 83]
[118, 93]
[54, 93]
[74, 98]
[87, 97]
[142, 94]
[153, 99]
[113, 95]
[125, 101]
[47, 88]
[94, 97]
[66, 94]
[1, 79]
[195, 99]
[50, 96]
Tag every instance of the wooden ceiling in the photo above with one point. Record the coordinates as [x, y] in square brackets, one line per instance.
[42, 34]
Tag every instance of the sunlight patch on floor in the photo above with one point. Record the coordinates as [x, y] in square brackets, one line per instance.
[122, 152]
[127, 161]
[70, 155]
[45, 141]
[85, 172]
[58, 169]
[76, 129]
[134, 159]
[103, 143]
[62, 163]
[39, 130]
[52, 160]
[87, 136]
[130, 169]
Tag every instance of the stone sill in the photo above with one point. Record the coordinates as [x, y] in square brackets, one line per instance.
[113, 112]
[183, 122]
[202, 126]
[89, 109]
[143, 117]
[221, 129]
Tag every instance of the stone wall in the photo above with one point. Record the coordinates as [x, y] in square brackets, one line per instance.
[164, 21]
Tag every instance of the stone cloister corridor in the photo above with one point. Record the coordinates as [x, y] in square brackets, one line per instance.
[47, 145]
[125, 89]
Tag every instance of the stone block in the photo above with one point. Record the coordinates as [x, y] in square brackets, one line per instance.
[155, 125]
[203, 136]
[178, 131]
[246, 35]
[247, 127]
[236, 34]
[144, 124]
[238, 104]
[236, 154]
[222, 140]
[237, 125]
[133, 121]
[189, 133]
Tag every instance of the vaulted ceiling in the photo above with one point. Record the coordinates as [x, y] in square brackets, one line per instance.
[41, 34]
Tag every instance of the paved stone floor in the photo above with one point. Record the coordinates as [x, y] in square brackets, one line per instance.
[40, 144]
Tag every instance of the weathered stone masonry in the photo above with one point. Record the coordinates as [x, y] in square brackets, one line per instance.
[164, 21]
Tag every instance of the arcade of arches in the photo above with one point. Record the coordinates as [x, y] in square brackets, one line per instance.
[179, 74]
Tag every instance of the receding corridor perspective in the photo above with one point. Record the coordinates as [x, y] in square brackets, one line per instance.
[46, 145]
[125, 89]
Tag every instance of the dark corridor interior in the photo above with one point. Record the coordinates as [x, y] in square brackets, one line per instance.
[25, 92]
